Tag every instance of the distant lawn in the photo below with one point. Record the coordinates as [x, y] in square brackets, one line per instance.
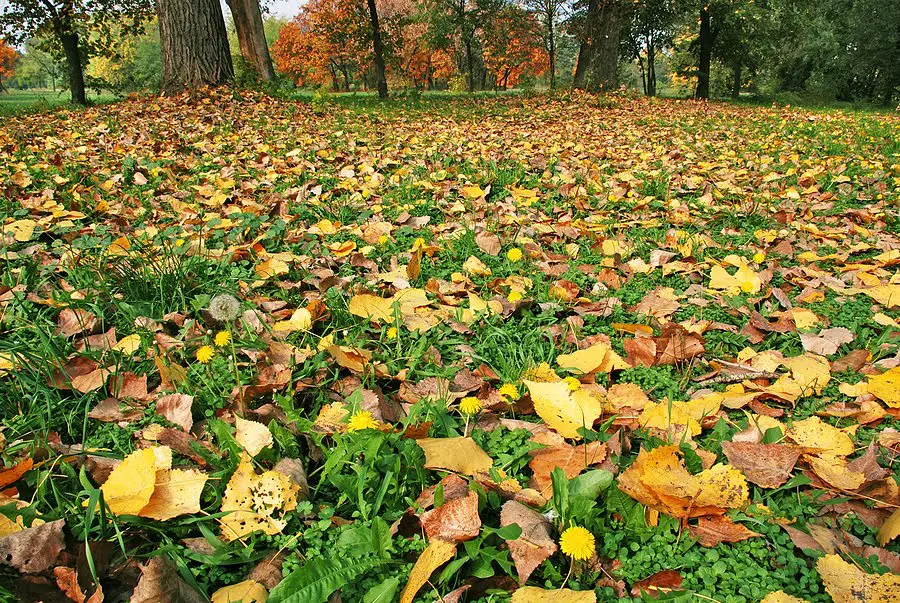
[13, 102]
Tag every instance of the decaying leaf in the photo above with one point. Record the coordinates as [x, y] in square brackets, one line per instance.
[256, 502]
[437, 553]
[461, 455]
[564, 410]
[766, 465]
[160, 583]
[571, 459]
[35, 549]
[712, 531]
[130, 486]
[252, 436]
[847, 583]
[456, 520]
[176, 492]
[248, 591]
[599, 358]
[533, 594]
[534, 545]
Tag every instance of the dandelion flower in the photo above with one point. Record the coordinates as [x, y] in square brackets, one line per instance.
[222, 338]
[577, 543]
[759, 257]
[360, 420]
[392, 333]
[514, 297]
[508, 390]
[747, 287]
[382, 240]
[514, 254]
[470, 405]
[224, 307]
[205, 354]
[572, 383]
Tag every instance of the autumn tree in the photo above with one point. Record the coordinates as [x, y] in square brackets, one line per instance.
[251, 34]
[652, 29]
[8, 58]
[194, 44]
[378, 50]
[599, 31]
[513, 47]
[549, 13]
[76, 29]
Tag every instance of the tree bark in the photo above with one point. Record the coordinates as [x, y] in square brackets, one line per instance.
[651, 67]
[380, 78]
[251, 35]
[194, 44]
[586, 49]
[551, 48]
[470, 64]
[69, 41]
[706, 42]
[736, 72]
[605, 72]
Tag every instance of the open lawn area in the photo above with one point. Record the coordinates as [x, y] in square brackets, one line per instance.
[15, 102]
[461, 347]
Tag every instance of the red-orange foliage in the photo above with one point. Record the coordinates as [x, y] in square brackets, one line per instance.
[8, 58]
[513, 47]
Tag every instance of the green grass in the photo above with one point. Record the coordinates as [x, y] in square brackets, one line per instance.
[17, 102]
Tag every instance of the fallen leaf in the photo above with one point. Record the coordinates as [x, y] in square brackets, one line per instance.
[890, 529]
[533, 594]
[814, 434]
[176, 492]
[599, 358]
[176, 408]
[456, 520]
[461, 455]
[563, 410]
[662, 581]
[845, 582]
[256, 502]
[252, 436]
[437, 553]
[571, 459]
[35, 549]
[248, 591]
[766, 465]
[886, 387]
[72, 322]
[712, 531]
[130, 486]
[779, 596]
[161, 583]
[534, 545]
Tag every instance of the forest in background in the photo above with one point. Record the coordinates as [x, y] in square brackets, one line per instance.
[845, 50]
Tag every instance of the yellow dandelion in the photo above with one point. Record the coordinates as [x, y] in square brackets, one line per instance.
[205, 354]
[514, 296]
[514, 254]
[747, 287]
[577, 543]
[759, 257]
[222, 338]
[470, 405]
[392, 333]
[362, 419]
[382, 240]
[509, 391]
[572, 383]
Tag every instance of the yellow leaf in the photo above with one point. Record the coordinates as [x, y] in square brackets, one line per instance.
[129, 345]
[382, 308]
[461, 455]
[890, 529]
[816, 434]
[811, 372]
[689, 414]
[804, 319]
[533, 594]
[743, 280]
[248, 591]
[885, 321]
[256, 502]
[130, 485]
[599, 358]
[271, 267]
[834, 471]
[563, 410]
[845, 582]
[437, 553]
[177, 492]
[331, 418]
[886, 387]
[473, 192]
[475, 267]
[252, 436]
[779, 596]
[21, 230]
[342, 249]
[300, 320]
[886, 295]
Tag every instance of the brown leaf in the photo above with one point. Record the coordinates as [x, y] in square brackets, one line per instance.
[712, 531]
[660, 581]
[766, 465]
[534, 545]
[802, 540]
[112, 410]
[72, 322]
[35, 549]
[488, 242]
[571, 459]
[160, 583]
[67, 580]
[176, 408]
[268, 571]
[456, 520]
[12, 475]
[853, 361]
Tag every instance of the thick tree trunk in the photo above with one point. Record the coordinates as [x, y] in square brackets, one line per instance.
[605, 72]
[251, 35]
[194, 44]
[379, 51]
[736, 72]
[586, 49]
[69, 41]
[470, 64]
[706, 43]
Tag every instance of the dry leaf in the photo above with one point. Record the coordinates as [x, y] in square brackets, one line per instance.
[35, 549]
[252, 436]
[256, 502]
[456, 520]
[563, 410]
[571, 459]
[534, 545]
[248, 591]
[177, 492]
[712, 531]
[890, 529]
[886, 387]
[599, 358]
[779, 596]
[130, 486]
[766, 465]
[176, 408]
[847, 583]
[161, 583]
[461, 455]
[437, 553]
[662, 581]
[814, 434]
[533, 594]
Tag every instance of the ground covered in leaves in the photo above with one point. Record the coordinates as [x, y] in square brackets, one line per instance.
[456, 350]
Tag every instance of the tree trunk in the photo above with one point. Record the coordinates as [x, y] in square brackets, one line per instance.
[69, 41]
[470, 64]
[586, 49]
[379, 52]
[651, 67]
[706, 42]
[194, 44]
[605, 72]
[251, 36]
[551, 47]
[736, 71]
